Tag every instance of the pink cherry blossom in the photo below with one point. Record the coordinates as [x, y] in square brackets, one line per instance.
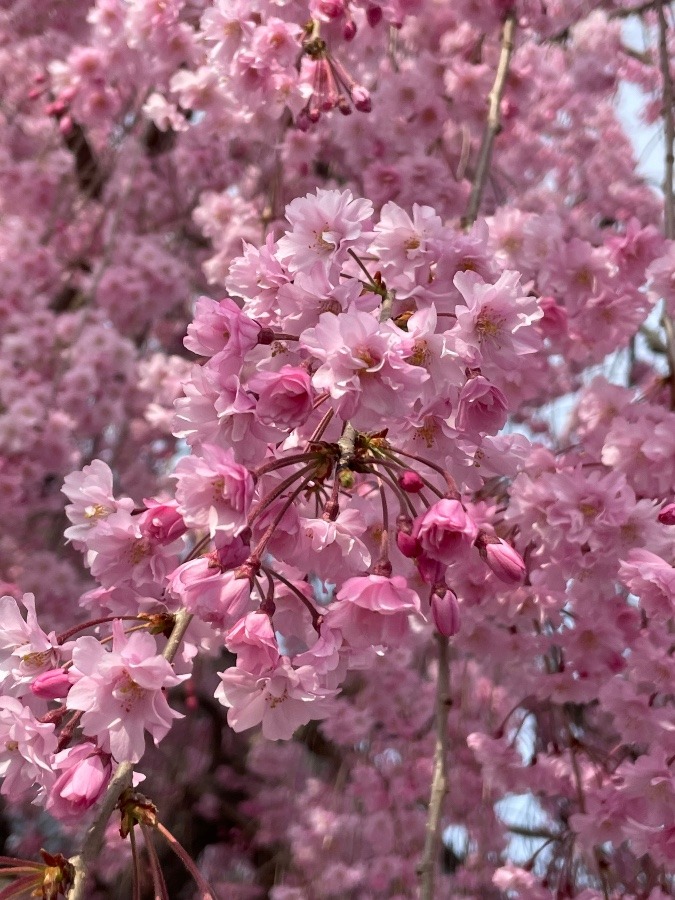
[281, 699]
[27, 749]
[119, 692]
[213, 491]
[445, 531]
[323, 228]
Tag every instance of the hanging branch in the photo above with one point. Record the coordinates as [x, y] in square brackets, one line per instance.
[439, 785]
[492, 125]
[668, 202]
[120, 781]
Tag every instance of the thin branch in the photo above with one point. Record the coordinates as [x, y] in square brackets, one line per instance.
[492, 125]
[206, 891]
[120, 781]
[439, 785]
[668, 200]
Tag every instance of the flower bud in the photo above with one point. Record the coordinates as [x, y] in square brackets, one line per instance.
[85, 774]
[52, 684]
[374, 14]
[506, 563]
[349, 30]
[445, 613]
[361, 98]
[667, 514]
[410, 482]
[406, 543]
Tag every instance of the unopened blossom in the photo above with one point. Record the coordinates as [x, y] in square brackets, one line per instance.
[120, 692]
[52, 684]
[213, 491]
[445, 612]
[667, 514]
[504, 560]
[84, 775]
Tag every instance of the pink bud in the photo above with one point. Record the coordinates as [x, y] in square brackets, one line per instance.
[506, 563]
[406, 543]
[667, 514]
[410, 482]
[349, 30]
[445, 613]
[332, 9]
[361, 98]
[51, 685]
[374, 15]
[84, 776]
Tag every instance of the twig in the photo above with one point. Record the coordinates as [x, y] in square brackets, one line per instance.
[669, 204]
[439, 785]
[492, 125]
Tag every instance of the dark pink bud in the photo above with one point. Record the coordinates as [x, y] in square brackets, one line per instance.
[445, 613]
[506, 563]
[266, 336]
[406, 543]
[51, 685]
[410, 482]
[374, 15]
[349, 30]
[431, 570]
[667, 514]
[343, 105]
[361, 98]
[332, 9]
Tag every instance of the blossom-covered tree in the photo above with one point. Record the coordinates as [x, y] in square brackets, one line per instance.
[337, 450]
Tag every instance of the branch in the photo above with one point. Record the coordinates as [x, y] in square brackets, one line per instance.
[120, 781]
[439, 785]
[492, 125]
[668, 200]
